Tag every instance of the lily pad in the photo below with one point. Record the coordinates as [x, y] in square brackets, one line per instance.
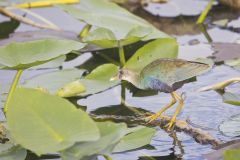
[231, 98]
[221, 149]
[22, 55]
[111, 133]
[234, 23]
[106, 39]
[105, 14]
[114, 138]
[137, 137]
[98, 80]
[57, 62]
[37, 35]
[192, 52]
[231, 127]
[160, 48]
[226, 51]
[36, 122]
[176, 8]
[10, 152]
[53, 81]
[232, 154]
[235, 63]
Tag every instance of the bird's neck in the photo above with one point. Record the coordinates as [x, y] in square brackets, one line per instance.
[134, 78]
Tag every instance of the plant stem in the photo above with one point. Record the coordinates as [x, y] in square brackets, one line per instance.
[12, 89]
[25, 20]
[123, 93]
[37, 16]
[84, 32]
[202, 28]
[107, 157]
[121, 54]
[204, 13]
[45, 3]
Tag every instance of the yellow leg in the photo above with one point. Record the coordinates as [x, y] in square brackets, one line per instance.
[178, 109]
[158, 114]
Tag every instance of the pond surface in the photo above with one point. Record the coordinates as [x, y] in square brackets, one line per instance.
[205, 108]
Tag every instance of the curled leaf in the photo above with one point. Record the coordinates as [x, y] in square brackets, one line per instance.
[71, 89]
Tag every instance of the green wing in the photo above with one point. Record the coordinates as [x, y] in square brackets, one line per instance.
[170, 71]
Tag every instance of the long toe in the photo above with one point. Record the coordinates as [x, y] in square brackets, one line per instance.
[151, 118]
[170, 125]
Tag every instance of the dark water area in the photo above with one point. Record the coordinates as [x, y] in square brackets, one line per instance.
[205, 109]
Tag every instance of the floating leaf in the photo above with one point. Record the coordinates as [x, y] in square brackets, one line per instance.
[105, 14]
[220, 149]
[175, 8]
[52, 64]
[22, 55]
[137, 137]
[160, 48]
[106, 39]
[53, 81]
[232, 154]
[111, 133]
[98, 80]
[114, 138]
[37, 35]
[71, 89]
[220, 85]
[221, 22]
[192, 52]
[234, 23]
[226, 51]
[231, 98]
[231, 127]
[235, 63]
[10, 152]
[44, 123]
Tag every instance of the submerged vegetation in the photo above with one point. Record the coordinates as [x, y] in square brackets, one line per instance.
[43, 119]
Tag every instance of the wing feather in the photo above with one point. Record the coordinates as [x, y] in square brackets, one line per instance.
[170, 71]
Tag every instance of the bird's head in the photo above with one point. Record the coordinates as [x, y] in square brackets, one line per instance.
[126, 74]
[120, 76]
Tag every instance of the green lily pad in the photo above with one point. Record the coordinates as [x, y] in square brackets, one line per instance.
[231, 127]
[105, 38]
[235, 63]
[22, 55]
[57, 62]
[111, 133]
[53, 81]
[105, 14]
[231, 98]
[10, 152]
[232, 154]
[160, 48]
[98, 80]
[136, 138]
[36, 122]
[114, 138]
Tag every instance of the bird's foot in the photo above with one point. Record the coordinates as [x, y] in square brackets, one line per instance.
[169, 125]
[152, 117]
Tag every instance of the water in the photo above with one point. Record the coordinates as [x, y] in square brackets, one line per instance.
[205, 108]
